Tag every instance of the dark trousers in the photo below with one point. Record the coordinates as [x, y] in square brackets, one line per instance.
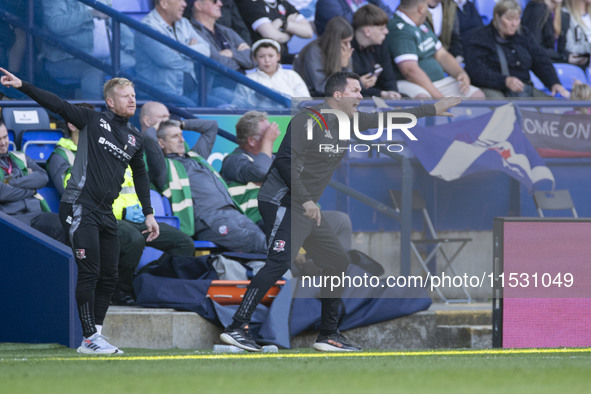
[95, 242]
[171, 240]
[287, 231]
[46, 222]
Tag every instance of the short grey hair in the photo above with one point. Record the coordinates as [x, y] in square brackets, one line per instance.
[164, 126]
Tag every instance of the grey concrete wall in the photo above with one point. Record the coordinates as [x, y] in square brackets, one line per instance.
[475, 259]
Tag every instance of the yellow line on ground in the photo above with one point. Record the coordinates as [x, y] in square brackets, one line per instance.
[234, 356]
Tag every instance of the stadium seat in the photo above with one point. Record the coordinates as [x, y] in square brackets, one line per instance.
[19, 119]
[52, 197]
[392, 4]
[160, 213]
[485, 9]
[38, 144]
[568, 73]
[537, 83]
[135, 9]
[432, 239]
[557, 200]
[11, 144]
[296, 44]
[149, 254]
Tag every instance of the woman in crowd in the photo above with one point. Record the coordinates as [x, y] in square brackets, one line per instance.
[549, 25]
[578, 37]
[500, 56]
[326, 55]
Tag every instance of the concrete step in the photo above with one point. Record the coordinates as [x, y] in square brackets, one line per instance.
[437, 327]
[465, 336]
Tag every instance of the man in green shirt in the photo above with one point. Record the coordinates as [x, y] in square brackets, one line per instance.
[420, 61]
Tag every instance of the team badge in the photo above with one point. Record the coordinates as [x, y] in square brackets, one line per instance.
[279, 245]
[223, 229]
[281, 9]
[80, 254]
[130, 139]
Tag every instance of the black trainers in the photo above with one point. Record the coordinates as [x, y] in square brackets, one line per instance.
[334, 343]
[241, 338]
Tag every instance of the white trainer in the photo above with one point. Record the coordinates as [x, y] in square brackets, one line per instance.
[97, 344]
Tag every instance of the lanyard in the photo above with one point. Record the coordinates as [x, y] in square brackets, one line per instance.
[9, 169]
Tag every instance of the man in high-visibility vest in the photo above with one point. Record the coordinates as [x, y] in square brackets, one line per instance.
[20, 177]
[130, 219]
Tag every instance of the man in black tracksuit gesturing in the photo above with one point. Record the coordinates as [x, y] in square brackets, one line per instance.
[107, 145]
[287, 201]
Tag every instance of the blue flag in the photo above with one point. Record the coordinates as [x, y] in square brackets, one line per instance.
[491, 142]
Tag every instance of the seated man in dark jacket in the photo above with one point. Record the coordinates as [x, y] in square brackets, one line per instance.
[20, 177]
[509, 77]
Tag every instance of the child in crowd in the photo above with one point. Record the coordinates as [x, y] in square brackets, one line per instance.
[581, 92]
[270, 73]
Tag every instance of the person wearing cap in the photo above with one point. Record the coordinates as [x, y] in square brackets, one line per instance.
[270, 73]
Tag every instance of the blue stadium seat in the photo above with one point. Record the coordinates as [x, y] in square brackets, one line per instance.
[150, 254]
[393, 4]
[568, 73]
[135, 9]
[296, 44]
[160, 213]
[537, 83]
[11, 144]
[485, 9]
[52, 197]
[38, 144]
[19, 119]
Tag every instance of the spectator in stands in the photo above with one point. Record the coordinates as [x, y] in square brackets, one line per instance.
[130, 219]
[371, 58]
[230, 18]
[198, 194]
[328, 9]
[158, 64]
[452, 21]
[20, 177]
[549, 25]
[245, 168]
[226, 47]
[277, 20]
[420, 60]
[468, 19]
[270, 73]
[87, 30]
[578, 37]
[509, 76]
[326, 55]
[581, 92]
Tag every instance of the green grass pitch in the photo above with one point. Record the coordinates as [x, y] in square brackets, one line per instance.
[56, 369]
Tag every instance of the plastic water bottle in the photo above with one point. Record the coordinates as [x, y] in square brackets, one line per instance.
[227, 349]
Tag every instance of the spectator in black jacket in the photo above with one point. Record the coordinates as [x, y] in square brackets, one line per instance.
[549, 24]
[521, 54]
[371, 58]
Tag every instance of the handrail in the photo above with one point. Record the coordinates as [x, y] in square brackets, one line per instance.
[146, 30]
